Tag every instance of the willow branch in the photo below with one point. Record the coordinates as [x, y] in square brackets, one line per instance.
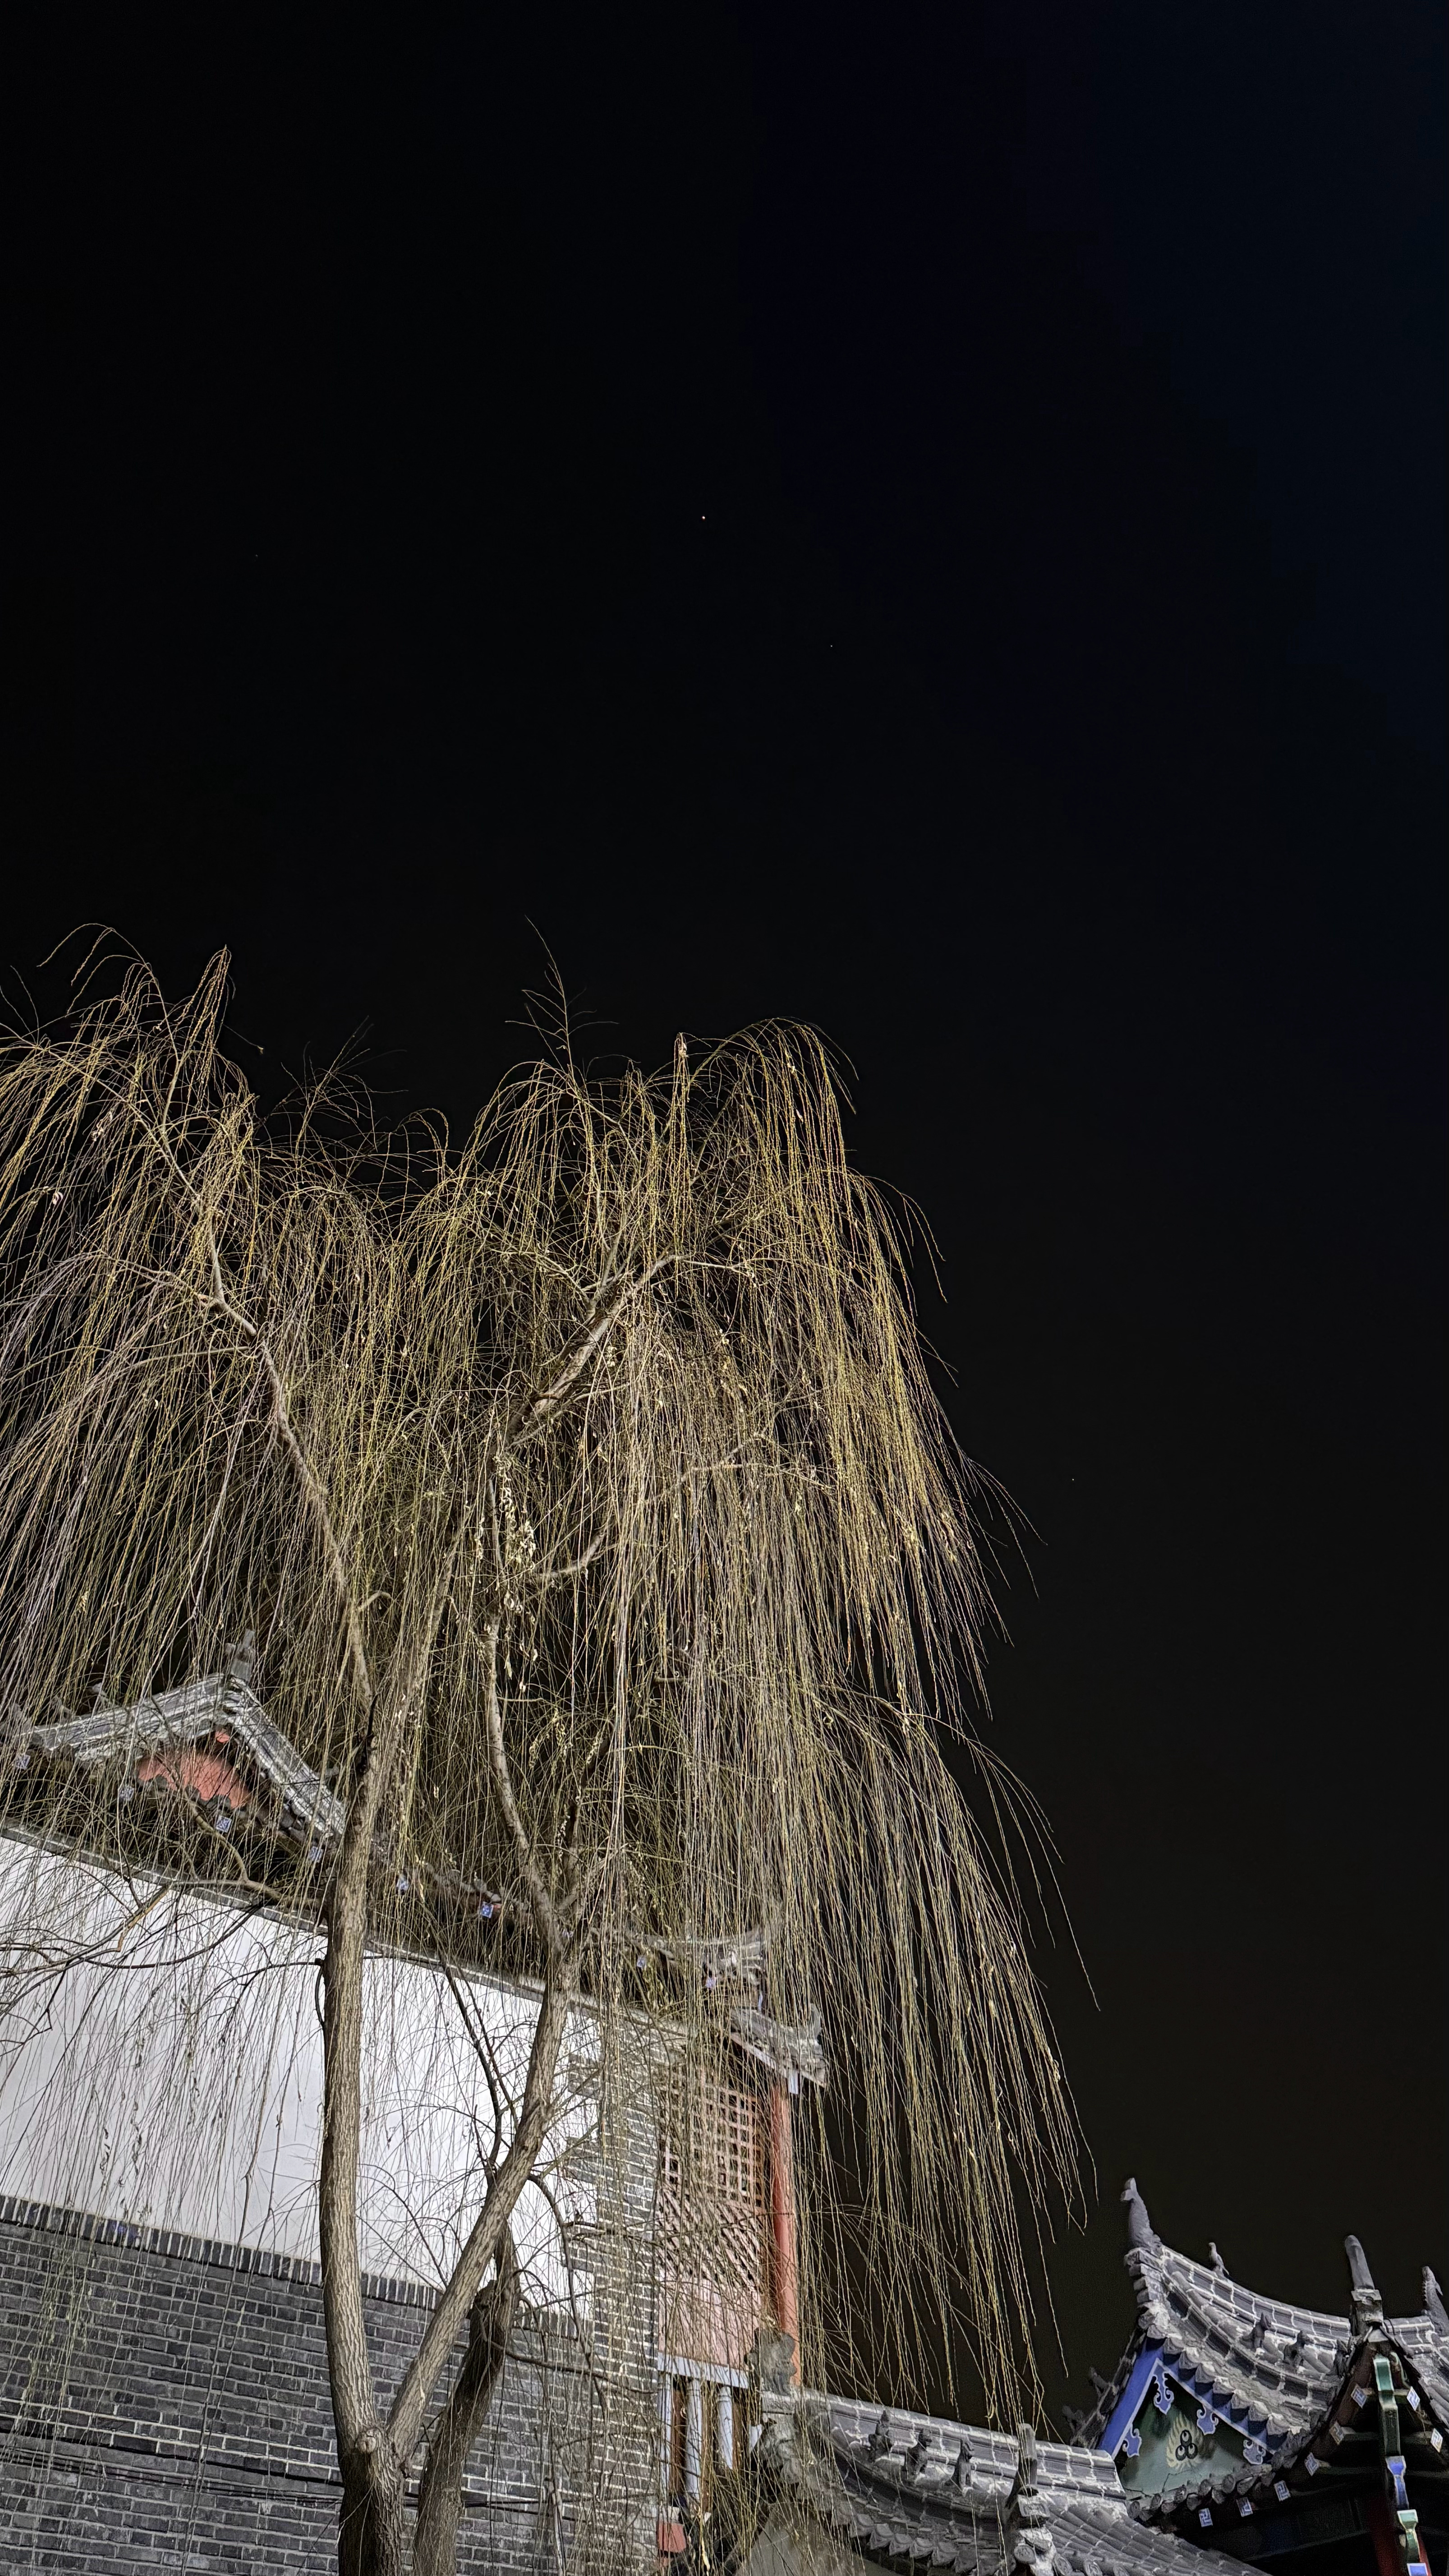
[308, 1477]
[311, 1483]
[532, 1411]
[578, 1565]
[484, 2243]
[497, 2090]
[545, 1912]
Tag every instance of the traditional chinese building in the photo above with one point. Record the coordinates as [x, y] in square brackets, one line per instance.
[1236, 2427]
[163, 2386]
[1280, 2432]
[163, 2383]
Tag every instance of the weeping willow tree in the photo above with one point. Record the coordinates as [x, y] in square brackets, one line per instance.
[605, 1548]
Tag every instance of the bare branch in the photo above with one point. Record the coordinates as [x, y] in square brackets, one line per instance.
[311, 1483]
[486, 2238]
[477, 2039]
[534, 1411]
[545, 1913]
[570, 1572]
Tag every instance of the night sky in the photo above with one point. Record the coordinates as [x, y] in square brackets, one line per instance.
[928, 521]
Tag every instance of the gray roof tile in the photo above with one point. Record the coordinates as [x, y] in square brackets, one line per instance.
[1271, 2367]
[930, 2489]
[185, 1715]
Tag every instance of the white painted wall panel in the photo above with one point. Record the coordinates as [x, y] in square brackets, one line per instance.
[161, 2062]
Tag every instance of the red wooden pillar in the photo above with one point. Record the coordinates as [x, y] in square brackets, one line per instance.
[785, 2265]
[1388, 2557]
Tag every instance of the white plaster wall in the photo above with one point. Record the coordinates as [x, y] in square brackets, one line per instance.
[161, 2061]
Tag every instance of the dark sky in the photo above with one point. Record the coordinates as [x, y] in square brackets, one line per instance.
[929, 520]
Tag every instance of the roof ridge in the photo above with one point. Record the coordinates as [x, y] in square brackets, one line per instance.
[1203, 2275]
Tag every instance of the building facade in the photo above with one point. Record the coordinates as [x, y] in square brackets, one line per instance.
[163, 2388]
[164, 2395]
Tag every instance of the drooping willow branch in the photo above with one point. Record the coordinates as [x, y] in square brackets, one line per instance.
[607, 1551]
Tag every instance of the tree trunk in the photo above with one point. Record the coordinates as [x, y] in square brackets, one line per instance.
[370, 2541]
[372, 2534]
[488, 2238]
[440, 2504]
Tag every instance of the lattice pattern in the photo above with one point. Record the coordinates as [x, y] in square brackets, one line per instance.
[710, 2218]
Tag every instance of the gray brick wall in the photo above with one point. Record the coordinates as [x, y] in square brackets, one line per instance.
[163, 2405]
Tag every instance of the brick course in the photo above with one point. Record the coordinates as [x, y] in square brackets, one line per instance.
[163, 2405]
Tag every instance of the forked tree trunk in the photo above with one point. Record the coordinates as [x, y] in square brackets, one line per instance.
[372, 2535]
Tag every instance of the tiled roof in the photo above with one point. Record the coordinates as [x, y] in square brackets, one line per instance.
[1424, 2343]
[787, 2049]
[1274, 2372]
[902, 2485]
[186, 1716]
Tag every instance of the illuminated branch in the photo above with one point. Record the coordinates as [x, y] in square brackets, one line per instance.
[257, 1376]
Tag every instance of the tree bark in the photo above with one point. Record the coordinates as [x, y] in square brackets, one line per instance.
[440, 2503]
[354, 2405]
[372, 2532]
[374, 2454]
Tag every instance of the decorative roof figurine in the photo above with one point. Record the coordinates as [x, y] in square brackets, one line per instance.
[1140, 2231]
[1365, 2307]
[1031, 2540]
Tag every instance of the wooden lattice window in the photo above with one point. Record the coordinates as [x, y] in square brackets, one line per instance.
[737, 2148]
[710, 2217]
